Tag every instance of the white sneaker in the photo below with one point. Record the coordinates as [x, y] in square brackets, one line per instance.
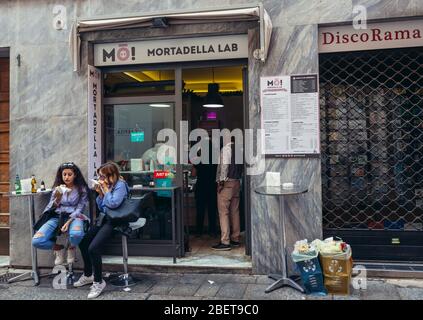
[83, 281]
[71, 255]
[96, 289]
[60, 257]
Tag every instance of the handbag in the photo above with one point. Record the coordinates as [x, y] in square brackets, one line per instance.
[128, 211]
[46, 216]
[63, 217]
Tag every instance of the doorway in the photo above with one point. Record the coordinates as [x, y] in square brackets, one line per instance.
[4, 152]
[139, 101]
[213, 98]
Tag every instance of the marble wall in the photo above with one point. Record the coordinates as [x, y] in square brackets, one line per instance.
[49, 102]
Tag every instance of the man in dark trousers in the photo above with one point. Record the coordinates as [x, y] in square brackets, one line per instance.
[205, 195]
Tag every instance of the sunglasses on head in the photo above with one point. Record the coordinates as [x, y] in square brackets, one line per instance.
[67, 165]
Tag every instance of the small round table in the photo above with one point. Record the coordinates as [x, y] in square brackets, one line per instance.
[282, 279]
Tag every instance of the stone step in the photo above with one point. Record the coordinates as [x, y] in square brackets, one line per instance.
[391, 270]
[155, 264]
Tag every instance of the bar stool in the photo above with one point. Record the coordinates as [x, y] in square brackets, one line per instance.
[70, 277]
[66, 268]
[125, 280]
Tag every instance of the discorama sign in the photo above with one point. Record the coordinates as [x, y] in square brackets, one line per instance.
[171, 50]
[398, 34]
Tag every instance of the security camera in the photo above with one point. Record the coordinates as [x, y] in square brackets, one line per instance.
[160, 22]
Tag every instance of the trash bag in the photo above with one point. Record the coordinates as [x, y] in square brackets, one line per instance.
[336, 262]
[307, 263]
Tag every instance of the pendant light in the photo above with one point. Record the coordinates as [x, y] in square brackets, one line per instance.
[213, 98]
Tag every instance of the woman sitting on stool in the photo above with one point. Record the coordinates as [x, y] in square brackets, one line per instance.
[112, 191]
[67, 202]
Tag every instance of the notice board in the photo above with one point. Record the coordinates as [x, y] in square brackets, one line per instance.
[290, 115]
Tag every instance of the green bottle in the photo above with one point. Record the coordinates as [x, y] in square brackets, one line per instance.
[18, 188]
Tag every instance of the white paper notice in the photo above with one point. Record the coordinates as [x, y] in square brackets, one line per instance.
[275, 96]
[290, 115]
[304, 115]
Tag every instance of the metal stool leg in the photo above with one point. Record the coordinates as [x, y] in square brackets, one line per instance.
[125, 280]
[125, 261]
[70, 278]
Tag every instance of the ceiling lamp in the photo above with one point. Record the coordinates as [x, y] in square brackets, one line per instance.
[160, 105]
[213, 98]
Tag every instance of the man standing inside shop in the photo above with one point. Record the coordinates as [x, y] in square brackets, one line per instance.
[228, 178]
[205, 193]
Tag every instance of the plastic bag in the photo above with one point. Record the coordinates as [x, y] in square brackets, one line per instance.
[306, 262]
[331, 247]
[304, 251]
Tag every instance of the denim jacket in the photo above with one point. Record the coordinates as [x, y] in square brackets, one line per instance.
[114, 197]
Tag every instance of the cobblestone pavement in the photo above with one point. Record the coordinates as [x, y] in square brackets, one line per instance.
[173, 286]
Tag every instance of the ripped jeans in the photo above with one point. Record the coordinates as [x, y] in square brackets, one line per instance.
[43, 238]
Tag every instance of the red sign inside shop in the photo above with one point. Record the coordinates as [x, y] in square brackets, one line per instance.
[160, 174]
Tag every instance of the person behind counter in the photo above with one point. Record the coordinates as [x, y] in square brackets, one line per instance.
[112, 190]
[63, 213]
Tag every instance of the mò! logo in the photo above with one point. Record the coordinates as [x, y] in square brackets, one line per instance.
[123, 52]
[275, 83]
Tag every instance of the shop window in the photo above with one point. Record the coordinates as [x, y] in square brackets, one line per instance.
[131, 141]
[131, 137]
[139, 83]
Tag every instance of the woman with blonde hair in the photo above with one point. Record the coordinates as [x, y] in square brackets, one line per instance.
[112, 191]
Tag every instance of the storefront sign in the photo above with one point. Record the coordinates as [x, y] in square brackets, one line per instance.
[94, 121]
[399, 34]
[290, 115]
[171, 50]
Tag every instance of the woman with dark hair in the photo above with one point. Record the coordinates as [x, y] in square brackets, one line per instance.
[67, 203]
[112, 191]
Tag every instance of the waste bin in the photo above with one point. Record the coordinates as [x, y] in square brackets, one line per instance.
[307, 263]
[337, 270]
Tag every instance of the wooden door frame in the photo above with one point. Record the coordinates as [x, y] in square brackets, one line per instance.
[4, 160]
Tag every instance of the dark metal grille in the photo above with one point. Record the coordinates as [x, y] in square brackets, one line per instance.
[4, 278]
[372, 139]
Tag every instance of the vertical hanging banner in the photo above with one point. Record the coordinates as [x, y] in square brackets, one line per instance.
[94, 121]
[290, 115]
